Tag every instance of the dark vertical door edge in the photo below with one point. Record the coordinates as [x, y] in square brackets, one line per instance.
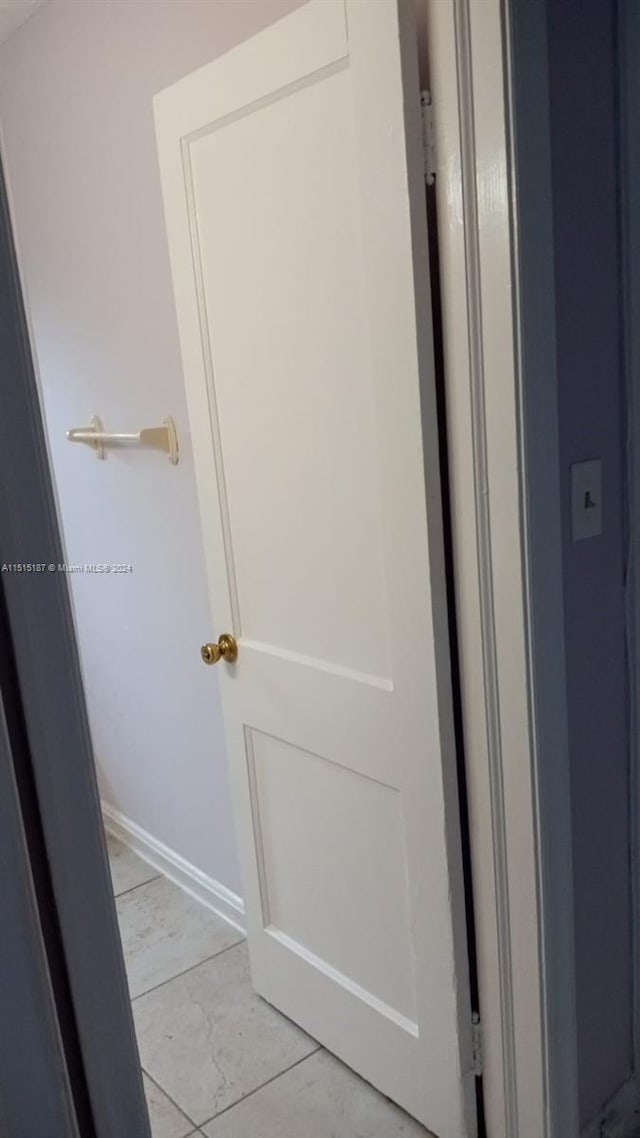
[47, 675]
[35, 1095]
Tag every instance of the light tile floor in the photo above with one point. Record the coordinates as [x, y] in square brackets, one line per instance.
[214, 1055]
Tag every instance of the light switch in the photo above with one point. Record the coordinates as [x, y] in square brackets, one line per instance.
[586, 499]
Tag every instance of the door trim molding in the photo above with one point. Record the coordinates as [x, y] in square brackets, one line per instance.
[482, 503]
[508, 586]
[53, 703]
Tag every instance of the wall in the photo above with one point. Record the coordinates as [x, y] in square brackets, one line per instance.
[583, 127]
[76, 88]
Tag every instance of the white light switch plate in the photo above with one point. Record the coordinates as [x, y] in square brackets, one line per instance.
[586, 499]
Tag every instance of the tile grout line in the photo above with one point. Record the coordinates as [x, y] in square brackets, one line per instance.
[185, 971]
[132, 888]
[173, 1102]
[267, 1082]
[198, 1127]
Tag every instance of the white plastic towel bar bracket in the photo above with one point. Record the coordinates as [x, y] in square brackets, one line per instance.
[162, 438]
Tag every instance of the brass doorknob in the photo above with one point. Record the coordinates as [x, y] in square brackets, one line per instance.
[225, 649]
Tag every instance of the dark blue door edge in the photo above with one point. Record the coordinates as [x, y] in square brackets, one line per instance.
[56, 778]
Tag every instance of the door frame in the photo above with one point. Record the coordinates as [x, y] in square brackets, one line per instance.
[490, 87]
[100, 1045]
[36, 1095]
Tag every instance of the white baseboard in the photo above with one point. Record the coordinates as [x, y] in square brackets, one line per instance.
[205, 889]
[620, 1118]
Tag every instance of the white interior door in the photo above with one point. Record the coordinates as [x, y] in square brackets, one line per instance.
[294, 197]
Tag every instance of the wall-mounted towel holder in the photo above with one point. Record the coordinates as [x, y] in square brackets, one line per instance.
[160, 438]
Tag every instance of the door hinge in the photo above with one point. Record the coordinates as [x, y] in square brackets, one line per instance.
[476, 1043]
[428, 138]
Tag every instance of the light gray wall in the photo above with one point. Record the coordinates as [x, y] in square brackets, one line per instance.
[76, 88]
[583, 129]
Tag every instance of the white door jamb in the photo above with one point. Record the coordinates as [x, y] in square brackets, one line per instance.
[521, 850]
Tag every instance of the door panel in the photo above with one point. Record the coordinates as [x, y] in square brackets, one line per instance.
[304, 806]
[291, 172]
[303, 418]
